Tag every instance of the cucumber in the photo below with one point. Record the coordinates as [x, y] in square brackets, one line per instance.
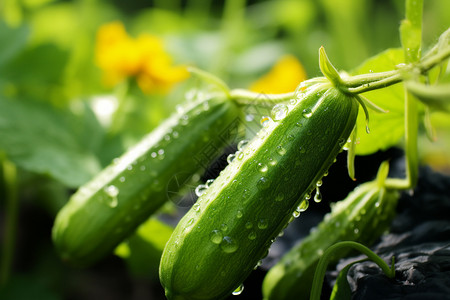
[109, 208]
[220, 240]
[363, 216]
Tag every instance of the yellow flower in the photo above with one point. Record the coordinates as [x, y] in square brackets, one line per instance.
[284, 77]
[121, 56]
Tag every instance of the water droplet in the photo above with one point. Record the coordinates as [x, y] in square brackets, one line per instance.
[196, 207]
[272, 162]
[296, 214]
[302, 150]
[326, 173]
[290, 137]
[231, 157]
[356, 231]
[281, 150]
[142, 168]
[303, 205]
[262, 168]
[209, 182]
[307, 196]
[224, 227]
[239, 290]
[279, 197]
[167, 137]
[240, 155]
[279, 112]
[216, 236]
[239, 214]
[112, 191]
[122, 179]
[319, 183]
[175, 134]
[299, 124]
[317, 196]
[293, 101]
[262, 224]
[161, 154]
[190, 222]
[200, 189]
[249, 117]
[129, 167]
[252, 235]
[377, 204]
[184, 120]
[248, 225]
[265, 121]
[307, 113]
[154, 154]
[262, 183]
[228, 245]
[242, 144]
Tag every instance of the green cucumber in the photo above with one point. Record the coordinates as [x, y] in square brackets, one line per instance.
[363, 216]
[109, 208]
[220, 240]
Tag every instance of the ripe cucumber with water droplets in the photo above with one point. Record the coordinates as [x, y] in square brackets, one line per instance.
[108, 208]
[218, 242]
[362, 216]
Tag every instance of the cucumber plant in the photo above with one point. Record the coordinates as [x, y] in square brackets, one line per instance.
[107, 209]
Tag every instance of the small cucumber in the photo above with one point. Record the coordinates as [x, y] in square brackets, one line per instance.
[109, 208]
[220, 240]
[362, 216]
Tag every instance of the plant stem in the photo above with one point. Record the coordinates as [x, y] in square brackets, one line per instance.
[11, 215]
[327, 255]
[246, 97]
[396, 78]
[410, 33]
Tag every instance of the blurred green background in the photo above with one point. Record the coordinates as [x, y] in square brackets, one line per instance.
[60, 124]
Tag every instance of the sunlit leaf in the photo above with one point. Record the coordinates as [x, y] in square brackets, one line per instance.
[59, 143]
[143, 250]
[386, 129]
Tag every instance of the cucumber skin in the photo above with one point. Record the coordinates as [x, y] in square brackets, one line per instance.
[192, 266]
[86, 229]
[369, 208]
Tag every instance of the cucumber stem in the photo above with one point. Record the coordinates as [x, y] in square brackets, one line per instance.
[246, 97]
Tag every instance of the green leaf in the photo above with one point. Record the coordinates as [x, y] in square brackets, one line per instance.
[386, 129]
[60, 143]
[143, 250]
[12, 41]
[341, 289]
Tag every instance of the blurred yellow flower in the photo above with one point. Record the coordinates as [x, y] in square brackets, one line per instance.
[121, 56]
[284, 77]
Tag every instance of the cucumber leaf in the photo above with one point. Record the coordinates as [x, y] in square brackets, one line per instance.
[142, 251]
[386, 129]
[341, 289]
[60, 143]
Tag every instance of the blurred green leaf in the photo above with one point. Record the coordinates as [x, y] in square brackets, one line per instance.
[12, 41]
[27, 287]
[386, 129]
[57, 142]
[143, 250]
